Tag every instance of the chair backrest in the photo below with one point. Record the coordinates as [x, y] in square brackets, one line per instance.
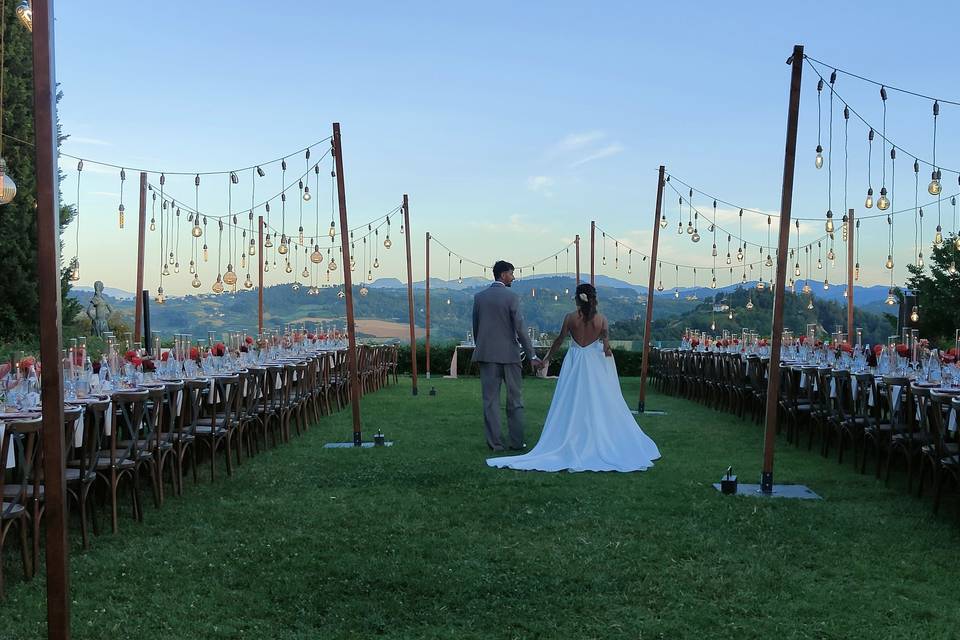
[227, 404]
[174, 408]
[940, 406]
[94, 415]
[897, 391]
[23, 438]
[129, 409]
[921, 397]
[251, 382]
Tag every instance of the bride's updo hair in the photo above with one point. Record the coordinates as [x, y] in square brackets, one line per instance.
[586, 300]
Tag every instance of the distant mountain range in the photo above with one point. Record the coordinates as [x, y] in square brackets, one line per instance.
[383, 312]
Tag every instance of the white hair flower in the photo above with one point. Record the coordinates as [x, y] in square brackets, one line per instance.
[583, 297]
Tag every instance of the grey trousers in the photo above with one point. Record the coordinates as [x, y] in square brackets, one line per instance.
[491, 375]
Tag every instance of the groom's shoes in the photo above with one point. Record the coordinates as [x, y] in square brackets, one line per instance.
[495, 448]
[522, 447]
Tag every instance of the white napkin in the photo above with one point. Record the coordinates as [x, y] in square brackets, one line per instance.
[179, 402]
[108, 419]
[952, 426]
[78, 429]
[11, 461]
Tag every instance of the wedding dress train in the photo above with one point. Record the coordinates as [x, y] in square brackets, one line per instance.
[589, 426]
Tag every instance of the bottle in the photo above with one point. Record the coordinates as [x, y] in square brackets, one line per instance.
[104, 373]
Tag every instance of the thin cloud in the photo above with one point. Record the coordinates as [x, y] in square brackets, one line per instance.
[91, 141]
[514, 225]
[605, 152]
[540, 184]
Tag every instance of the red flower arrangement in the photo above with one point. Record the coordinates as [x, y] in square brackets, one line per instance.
[164, 356]
[946, 358]
[902, 350]
[802, 339]
[26, 363]
[96, 367]
[148, 364]
[136, 361]
[818, 344]
[695, 342]
[219, 349]
[248, 340]
[877, 348]
[194, 353]
[130, 355]
[846, 347]
[763, 342]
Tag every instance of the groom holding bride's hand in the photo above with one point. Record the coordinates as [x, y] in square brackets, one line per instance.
[499, 332]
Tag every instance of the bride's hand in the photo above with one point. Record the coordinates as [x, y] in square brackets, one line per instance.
[607, 351]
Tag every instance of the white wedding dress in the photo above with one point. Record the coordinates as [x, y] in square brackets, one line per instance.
[589, 426]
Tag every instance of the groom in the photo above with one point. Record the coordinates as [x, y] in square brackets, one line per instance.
[497, 327]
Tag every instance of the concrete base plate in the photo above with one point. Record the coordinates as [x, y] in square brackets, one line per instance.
[796, 491]
[349, 445]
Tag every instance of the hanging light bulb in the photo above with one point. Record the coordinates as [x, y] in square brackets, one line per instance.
[792, 285]
[268, 242]
[120, 211]
[730, 315]
[166, 269]
[660, 286]
[831, 256]
[253, 247]
[288, 268]
[856, 271]
[749, 303]
[25, 14]
[883, 203]
[663, 221]
[915, 314]
[769, 261]
[796, 270]
[689, 228]
[218, 285]
[934, 187]
[696, 236]
[332, 265]
[332, 231]
[301, 236]
[243, 260]
[282, 249]
[713, 283]
[176, 267]
[829, 224]
[75, 270]
[739, 254]
[889, 263]
[938, 238]
[713, 326]
[956, 243]
[952, 269]
[714, 251]
[679, 228]
[819, 160]
[728, 258]
[376, 265]
[230, 277]
[296, 285]
[920, 260]
[306, 193]
[676, 293]
[196, 281]
[316, 257]
[305, 273]
[153, 224]
[891, 299]
[364, 291]
[197, 230]
[760, 285]
[192, 268]
[341, 294]
[819, 263]
[868, 203]
[810, 304]
[826, 284]
[806, 287]
[387, 242]
[369, 275]
[160, 299]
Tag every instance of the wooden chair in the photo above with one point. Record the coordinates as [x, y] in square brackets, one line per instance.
[217, 427]
[15, 496]
[81, 472]
[115, 461]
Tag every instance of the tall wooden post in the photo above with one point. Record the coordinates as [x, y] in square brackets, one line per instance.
[260, 280]
[413, 331]
[783, 243]
[593, 252]
[576, 241]
[427, 308]
[48, 274]
[645, 362]
[141, 243]
[348, 288]
[851, 239]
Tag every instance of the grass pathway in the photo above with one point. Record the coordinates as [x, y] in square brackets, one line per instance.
[422, 540]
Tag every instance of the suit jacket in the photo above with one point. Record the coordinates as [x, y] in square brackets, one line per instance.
[498, 326]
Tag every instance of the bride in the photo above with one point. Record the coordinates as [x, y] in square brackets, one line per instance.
[589, 426]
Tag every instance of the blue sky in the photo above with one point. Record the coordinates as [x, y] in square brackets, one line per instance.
[511, 125]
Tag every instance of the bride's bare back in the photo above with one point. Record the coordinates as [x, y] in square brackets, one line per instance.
[583, 332]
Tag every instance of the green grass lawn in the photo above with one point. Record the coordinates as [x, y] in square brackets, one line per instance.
[422, 540]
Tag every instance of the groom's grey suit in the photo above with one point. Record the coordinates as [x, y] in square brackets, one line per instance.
[497, 328]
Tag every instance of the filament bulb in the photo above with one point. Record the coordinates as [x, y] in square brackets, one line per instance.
[376, 264]
[332, 231]
[218, 285]
[387, 242]
[696, 236]
[889, 262]
[914, 314]
[891, 299]
[934, 187]
[819, 160]
[868, 203]
[153, 224]
[938, 238]
[120, 212]
[364, 291]
[663, 222]
[883, 203]
[305, 273]
[197, 230]
[749, 303]
[796, 269]
[332, 265]
[230, 277]
[288, 268]
[196, 282]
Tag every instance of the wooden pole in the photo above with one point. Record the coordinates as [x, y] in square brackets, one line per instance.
[850, 270]
[260, 279]
[593, 252]
[427, 307]
[786, 205]
[413, 332]
[348, 288]
[48, 274]
[576, 241]
[645, 362]
[141, 243]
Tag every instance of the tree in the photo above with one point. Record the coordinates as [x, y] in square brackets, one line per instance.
[19, 299]
[938, 293]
